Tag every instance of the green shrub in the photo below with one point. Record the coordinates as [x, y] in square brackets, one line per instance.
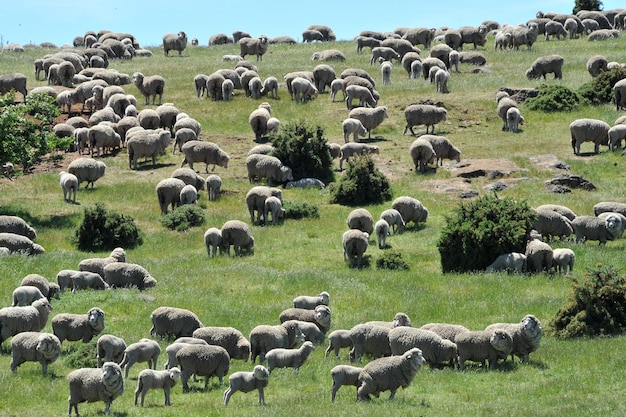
[83, 356]
[553, 98]
[596, 306]
[184, 217]
[300, 210]
[303, 148]
[106, 230]
[600, 90]
[392, 260]
[361, 184]
[478, 232]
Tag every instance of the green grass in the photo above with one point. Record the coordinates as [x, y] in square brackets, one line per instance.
[578, 377]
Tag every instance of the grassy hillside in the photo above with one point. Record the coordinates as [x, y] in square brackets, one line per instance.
[576, 377]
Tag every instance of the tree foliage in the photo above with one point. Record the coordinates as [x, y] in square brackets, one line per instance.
[553, 98]
[587, 5]
[361, 184]
[600, 90]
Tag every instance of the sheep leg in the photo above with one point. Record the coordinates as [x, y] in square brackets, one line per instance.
[166, 392]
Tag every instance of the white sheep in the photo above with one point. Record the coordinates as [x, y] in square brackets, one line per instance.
[328, 55]
[545, 65]
[149, 86]
[513, 261]
[320, 316]
[175, 42]
[95, 384]
[310, 302]
[514, 119]
[188, 195]
[338, 339]
[25, 295]
[253, 46]
[87, 169]
[411, 209]
[371, 118]
[343, 375]
[609, 206]
[151, 379]
[422, 153]
[13, 81]
[128, 275]
[274, 206]
[482, 345]
[258, 122]
[336, 86]
[212, 240]
[44, 348]
[445, 330]
[190, 177]
[616, 134]
[526, 335]
[589, 130]
[441, 80]
[203, 360]
[264, 338]
[423, 114]
[382, 231]
[354, 127]
[20, 244]
[355, 148]
[168, 192]
[270, 87]
[435, 349]
[289, 358]
[146, 143]
[248, 381]
[362, 220]
[237, 234]
[562, 259]
[145, 350]
[110, 348]
[266, 166]
[69, 185]
[354, 244]
[369, 338]
[538, 256]
[303, 89]
[207, 152]
[74, 327]
[32, 318]
[231, 339]
[594, 228]
[306, 183]
[173, 321]
[213, 185]
[16, 225]
[385, 69]
[394, 220]
[363, 94]
[97, 264]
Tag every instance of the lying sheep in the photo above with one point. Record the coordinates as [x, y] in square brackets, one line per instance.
[237, 234]
[562, 259]
[389, 374]
[354, 243]
[434, 348]
[270, 167]
[482, 345]
[306, 183]
[289, 358]
[95, 384]
[609, 206]
[231, 339]
[173, 321]
[203, 360]
[44, 348]
[110, 348]
[594, 228]
[354, 148]
[320, 316]
[73, 327]
[50, 290]
[20, 244]
[423, 114]
[16, 225]
[445, 330]
[264, 338]
[32, 318]
[25, 295]
[370, 118]
[545, 65]
[589, 130]
[145, 350]
[69, 185]
[526, 335]
[151, 379]
[338, 339]
[369, 339]
[411, 209]
[422, 153]
[97, 264]
[149, 86]
[394, 220]
[328, 55]
[248, 381]
[343, 375]
[354, 127]
[508, 262]
[87, 169]
[311, 302]
[128, 275]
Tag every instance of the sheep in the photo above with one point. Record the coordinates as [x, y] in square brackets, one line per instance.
[590, 25]
[551, 224]
[173, 322]
[151, 379]
[609, 206]
[202, 360]
[354, 244]
[407, 62]
[554, 28]
[44, 348]
[545, 65]
[258, 122]
[146, 143]
[284, 358]
[429, 63]
[32, 318]
[370, 118]
[25, 295]
[423, 114]
[526, 335]
[326, 31]
[589, 130]
[338, 339]
[369, 339]
[303, 89]
[525, 35]
[514, 119]
[445, 330]
[73, 327]
[14, 81]
[394, 220]
[237, 234]
[410, 209]
[167, 116]
[270, 167]
[603, 34]
[255, 200]
[253, 46]
[182, 136]
[310, 35]
[289, 77]
[513, 261]
[213, 185]
[20, 244]
[596, 65]
[103, 137]
[110, 348]
[264, 338]
[87, 169]
[16, 225]
[538, 256]
[336, 86]
[441, 81]
[562, 259]
[616, 134]
[128, 275]
[385, 69]
[562, 210]
[361, 219]
[145, 350]
[434, 348]
[49, 290]
[207, 152]
[231, 339]
[168, 192]
[619, 90]
[149, 86]
[310, 302]
[187, 122]
[175, 42]
[248, 381]
[323, 76]
[354, 148]
[400, 319]
[343, 375]
[384, 52]
[328, 55]
[443, 148]
[503, 40]
[189, 177]
[382, 231]
[363, 94]
[420, 35]
[320, 316]
[172, 349]
[482, 345]
[334, 149]
[422, 153]
[95, 384]
[595, 228]
[97, 264]
[270, 87]
[274, 206]
[389, 374]
[188, 195]
[311, 331]
[306, 183]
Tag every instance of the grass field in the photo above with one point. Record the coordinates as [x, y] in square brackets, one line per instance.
[574, 377]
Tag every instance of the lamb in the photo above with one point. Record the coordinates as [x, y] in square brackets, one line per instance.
[44, 348]
[95, 384]
[505, 103]
[146, 143]
[14, 81]
[343, 375]
[394, 220]
[609, 206]
[545, 65]
[74, 327]
[513, 261]
[149, 86]
[482, 345]
[303, 89]
[538, 256]
[369, 339]
[285, 358]
[562, 259]
[382, 231]
[354, 244]
[445, 330]
[203, 360]
[248, 381]
[364, 95]
[338, 339]
[231, 339]
[422, 154]
[385, 52]
[554, 28]
[188, 195]
[128, 275]
[16, 225]
[237, 234]
[49, 290]
[371, 118]
[385, 69]
[434, 348]
[431, 62]
[110, 348]
[321, 316]
[594, 228]
[272, 125]
[306, 183]
[175, 42]
[145, 350]
[87, 169]
[264, 338]
[25, 295]
[253, 46]
[182, 136]
[354, 127]
[270, 167]
[69, 185]
[32, 318]
[551, 224]
[310, 302]
[336, 86]
[212, 240]
[526, 335]
[255, 200]
[227, 90]
[97, 264]
[173, 322]
[389, 374]
[328, 55]
[20, 244]
[355, 148]
[514, 119]
[423, 114]
[589, 130]
[270, 87]
[616, 135]
[274, 206]
[151, 379]
[441, 81]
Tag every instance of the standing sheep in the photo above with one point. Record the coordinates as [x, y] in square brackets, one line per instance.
[173, 322]
[619, 90]
[354, 127]
[151, 379]
[188, 195]
[303, 89]
[110, 348]
[562, 259]
[441, 81]
[514, 119]
[394, 219]
[443, 148]
[95, 384]
[617, 134]
[44, 348]
[321, 316]
[203, 360]
[589, 130]
[596, 65]
[371, 118]
[545, 65]
[538, 256]
[25, 295]
[207, 152]
[87, 169]
[369, 338]
[434, 348]
[248, 381]
[423, 114]
[69, 185]
[270, 87]
[15, 243]
[237, 234]
[212, 240]
[354, 244]
[145, 350]
[231, 339]
[73, 327]
[168, 192]
[253, 46]
[353, 148]
[13, 81]
[258, 122]
[481, 346]
[422, 154]
[270, 167]
[526, 335]
[363, 94]
[343, 375]
[274, 206]
[175, 42]
[323, 76]
[309, 303]
[264, 338]
[382, 231]
[32, 318]
[213, 185]
[146, 143]
[149, 86]
[596, 228]
[445, 330]
[128, 275]
[362, 220]
[292, 358]
[255, 200]
[338, 339]
[411, 209]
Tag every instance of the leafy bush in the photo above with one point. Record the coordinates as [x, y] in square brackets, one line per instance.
[596, 306]
[303, 148]
[552, 98]
[184, 217]
[392, 260]
[362, 184]
[106, 230]
[300, 210]
[82, 356]
[600, 90]
[477, 232]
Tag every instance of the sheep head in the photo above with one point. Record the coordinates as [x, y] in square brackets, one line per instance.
[174, 374]
[112, 379]
[95, 317]
[48, 346]
[501, 341]
[261, 373]
[401, 319]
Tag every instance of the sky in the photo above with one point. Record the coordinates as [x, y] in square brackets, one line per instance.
[37, 21]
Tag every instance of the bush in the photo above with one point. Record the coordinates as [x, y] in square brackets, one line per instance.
[362, 184]
[184, 217]
[106, 230]
[600, 90]
[552, 98]
[392, 260]
[303, 148]
[478, 232]
[300, 210]
[596, 306]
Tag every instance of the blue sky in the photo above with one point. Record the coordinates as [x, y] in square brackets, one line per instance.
[37, 21]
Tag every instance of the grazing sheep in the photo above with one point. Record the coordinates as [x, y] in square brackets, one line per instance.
[253, 46]
[173, 322]
[423, 114]
[188, 195]
[343, 375]
[422, 153]
[445, 330]
[563, 258]
[589, 130]
[338, 339]
[258, 122]
[73, 327]
[174, 42]
[97, 264]
[203, 360]
[323, 76]
[50, 290]
[145, 350]
[237, 234]
[103, 137]
[149, 86]
[354, 127]
[514, 119]
[369, 117]
[13, 81]
[389, 374]
[20, 244]
[213, 185]
[146, 143]
[16, 225]
[441, 80]
[128, 275]
[595, 228]
[274, 206]
[361, 219]
[110, 348]
[545, 65]
[508, 262]
[303, 89]
[264, 338]
[87, 169]
[255, 200]
[32, 318]
[609, 207]
[328, 55]
[310, 36]
[353, 148]
[214, 85]
[394, 219]
[151, 379]
[187, 122]
[619, 90]
[616, 135]
[363, 94]
[321, 316]
[354, 244]
[172, 349]
[385, 53]
[272, 125]
[525, 35]
[526, 335]
[231, 339]
[212, 240]
[369, 339]
[551, 224]
[411, 209]
[270, 167]
[385, 69]
[596, 65]
[434, 348]
[44, 348]
[189, 177]
[270, 87]
[168, 192]
[312, 332]
[538, 256]
[407, 61]
[382, 231]
[504, 105]
[25, 295]
[309, 303]
[482, 345]
[443, 148]
[336, 86]
[95, 384]
[200, 82]
[554, 28]
[248, 381]
[306, 183]
[289, 358]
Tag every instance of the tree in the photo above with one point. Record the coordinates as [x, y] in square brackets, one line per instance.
[587, 5]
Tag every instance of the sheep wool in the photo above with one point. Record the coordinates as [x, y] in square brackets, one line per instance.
[173, 321]
[110, 348]
[526, 335]
[75, 327]
[264, 338]
[248, 381]
[481, 346]
[343, 375]
[150, 379]
[434, 348]
[145, 350]
[44, 348]
[289, 358]
[32, 318]
[95, 384]
[16, 225]
[338, 339]
[203, 360]
[231, 339]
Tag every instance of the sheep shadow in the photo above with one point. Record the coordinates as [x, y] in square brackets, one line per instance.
[52, 222]
[415, 227]
[373, 140]
[147, 166]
